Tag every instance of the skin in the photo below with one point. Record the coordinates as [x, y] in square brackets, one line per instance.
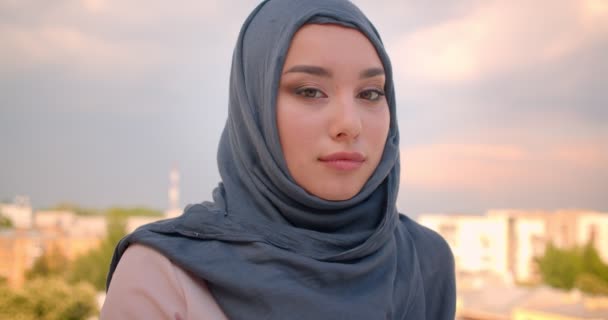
[330, 100]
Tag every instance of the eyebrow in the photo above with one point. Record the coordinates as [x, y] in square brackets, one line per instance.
[322, 72]
[314, 70]
[371, 72]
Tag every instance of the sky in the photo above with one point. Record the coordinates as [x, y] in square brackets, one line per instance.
[501, 104]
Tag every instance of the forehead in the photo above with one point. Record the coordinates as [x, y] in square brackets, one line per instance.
[331, 44]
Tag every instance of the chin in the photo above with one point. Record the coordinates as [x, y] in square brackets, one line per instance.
[335, 195]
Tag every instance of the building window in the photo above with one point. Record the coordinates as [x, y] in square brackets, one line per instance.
[592, 233]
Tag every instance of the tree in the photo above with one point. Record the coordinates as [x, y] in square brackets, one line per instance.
[52, 293]
[133, 212]
[13, 305]
[51, 263]
[591, 284]
[93, 266]
[78, 210]
[5, 222]
[579, 267]
[48, 299]
[593, 264]
[559, 268]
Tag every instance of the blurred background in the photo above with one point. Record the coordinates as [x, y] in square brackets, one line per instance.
[111, 112]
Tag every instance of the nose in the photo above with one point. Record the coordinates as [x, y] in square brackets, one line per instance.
[346, 119]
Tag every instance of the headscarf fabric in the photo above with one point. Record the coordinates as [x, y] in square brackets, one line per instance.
[268, 249]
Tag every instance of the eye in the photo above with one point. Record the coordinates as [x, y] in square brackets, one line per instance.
[371, 94]
[311, 93]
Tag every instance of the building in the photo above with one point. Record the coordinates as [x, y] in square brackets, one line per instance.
[69, 233]
[504, 243]
[527, 237]
[18, 250]
[59, 231]
[478, 242]
[36, 233]
[593, 227]
[19, 212]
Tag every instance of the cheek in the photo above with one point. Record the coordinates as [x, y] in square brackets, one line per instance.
[298, 129]
[378, 127]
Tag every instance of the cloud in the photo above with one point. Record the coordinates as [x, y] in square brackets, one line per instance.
[95, 6]
[63, 45]
[587, 156]
[454, 166]
[155, 12]
[106, 36]
[499, 37]
[495, 168]
[501, 103]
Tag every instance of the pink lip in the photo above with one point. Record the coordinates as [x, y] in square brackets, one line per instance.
[343, 160]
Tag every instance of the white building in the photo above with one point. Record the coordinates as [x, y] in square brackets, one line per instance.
[70, 223]
[504, 243]
[19, 212]
[593, 227]
[53, 219]
[479, 243]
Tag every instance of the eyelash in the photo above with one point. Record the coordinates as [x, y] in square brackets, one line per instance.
[379, 94]
[302, 92]
[316, 92]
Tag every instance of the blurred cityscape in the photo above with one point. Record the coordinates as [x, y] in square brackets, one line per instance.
[504, 258]
[506, 261]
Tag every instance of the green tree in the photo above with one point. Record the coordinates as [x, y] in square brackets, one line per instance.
[93, 266]
[579, 267]
[593, 264]
[5, 222]
[78, 210]
[48, 299]
[592, 284]
[51, 263]
[14, 305]
[118, 212]
[559, 268]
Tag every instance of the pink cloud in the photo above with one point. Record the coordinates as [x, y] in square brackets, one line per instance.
[468, 166]
[497, 37]
[68, 35]
[491, 168]
[583, 156]
[64, 45]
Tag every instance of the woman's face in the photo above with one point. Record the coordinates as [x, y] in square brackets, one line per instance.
[332, 115]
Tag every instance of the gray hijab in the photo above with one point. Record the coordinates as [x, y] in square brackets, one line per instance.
[268, 249]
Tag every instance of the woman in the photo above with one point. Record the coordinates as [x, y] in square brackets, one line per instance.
[303, 224]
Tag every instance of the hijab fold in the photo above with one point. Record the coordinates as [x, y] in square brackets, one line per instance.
[268, 249]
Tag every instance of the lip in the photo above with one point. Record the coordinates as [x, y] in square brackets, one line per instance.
[343, 161]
